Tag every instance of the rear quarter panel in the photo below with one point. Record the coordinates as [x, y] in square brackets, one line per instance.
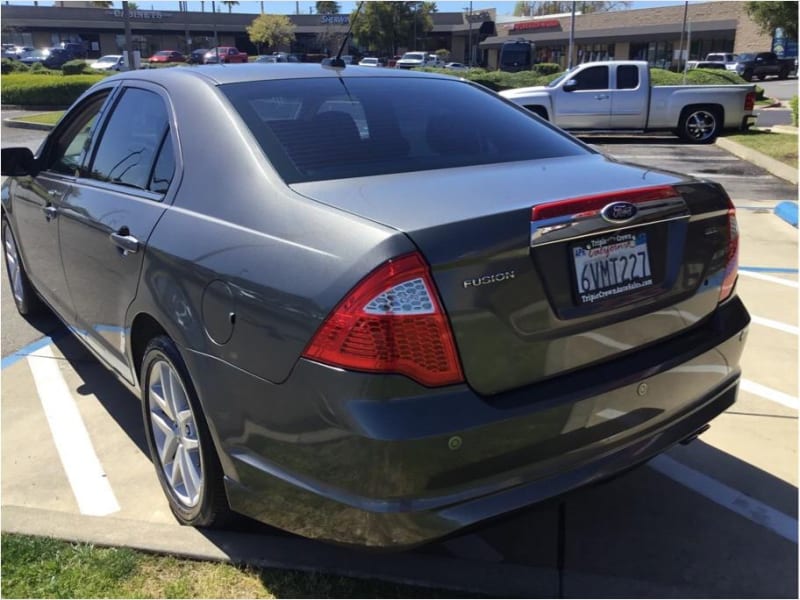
[667, 102]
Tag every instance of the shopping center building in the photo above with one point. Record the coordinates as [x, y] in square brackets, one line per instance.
[651, 34]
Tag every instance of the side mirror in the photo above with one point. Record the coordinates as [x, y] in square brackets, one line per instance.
[570, 86]
[17, 161]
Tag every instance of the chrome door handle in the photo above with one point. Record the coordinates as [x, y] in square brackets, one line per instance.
[601, 97]
[50, 212]
[125, 241]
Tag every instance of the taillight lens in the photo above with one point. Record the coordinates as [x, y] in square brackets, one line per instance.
[589, 205]
[391, 322]
[732, 256]
[750, 101]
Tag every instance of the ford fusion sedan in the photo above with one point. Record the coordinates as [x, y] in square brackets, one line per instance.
[364, 327]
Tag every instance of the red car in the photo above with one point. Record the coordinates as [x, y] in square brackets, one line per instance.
[167, 56]
[225, 54]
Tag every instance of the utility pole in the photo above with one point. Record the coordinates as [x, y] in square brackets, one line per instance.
[683, 29]
[126, 17]
[469, 44]
[214, 10]
[571, 37]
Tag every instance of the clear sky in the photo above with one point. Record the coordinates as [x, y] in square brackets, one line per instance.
[282, 7]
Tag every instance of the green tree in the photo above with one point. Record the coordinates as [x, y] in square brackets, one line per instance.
[230, 4]
[771, 15]
[535, 9]
[328, 8]
[383, 26]
[272, 31]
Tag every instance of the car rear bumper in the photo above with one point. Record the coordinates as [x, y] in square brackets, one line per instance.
[380, 461]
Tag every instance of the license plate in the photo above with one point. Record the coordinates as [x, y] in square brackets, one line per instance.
[610, 266]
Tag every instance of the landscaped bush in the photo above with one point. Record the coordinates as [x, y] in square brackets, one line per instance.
[695, 77]
[13, 66]
[32, 90]
[547, 68]
[793, 106]
[73, 67]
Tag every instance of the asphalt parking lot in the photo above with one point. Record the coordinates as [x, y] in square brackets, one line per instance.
[715, 518]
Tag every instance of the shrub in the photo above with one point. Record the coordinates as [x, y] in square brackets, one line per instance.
[793, 106]
[37, 67]
[13, 66]
[547, 68]
[28, 89]
[73, 67]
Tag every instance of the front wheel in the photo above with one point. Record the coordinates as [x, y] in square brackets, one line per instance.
[25, 298]
[180, 444]
[784, 74]
[747, 75]
[699, 125]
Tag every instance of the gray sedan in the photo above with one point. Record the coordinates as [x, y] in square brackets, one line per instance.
[367, 319]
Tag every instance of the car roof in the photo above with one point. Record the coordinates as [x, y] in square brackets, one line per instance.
[241, 73]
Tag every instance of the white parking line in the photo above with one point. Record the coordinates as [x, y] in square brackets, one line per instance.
[768, 393]
[716, 491]
[770, 278]
[84, 471]
[794, 330]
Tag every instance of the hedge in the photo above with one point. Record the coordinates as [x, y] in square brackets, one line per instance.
[28, 89]
[73, 67]
[793, 106]
[8, 65]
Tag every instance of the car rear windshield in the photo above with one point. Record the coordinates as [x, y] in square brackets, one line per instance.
[335, 128]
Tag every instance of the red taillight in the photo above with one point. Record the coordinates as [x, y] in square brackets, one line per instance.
[594, 203]
[391, 322]
[750, 101]
[732, 256]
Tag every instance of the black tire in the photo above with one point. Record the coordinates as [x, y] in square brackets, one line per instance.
[700, 124]
[747, 75]
[206, 506]
[25, 297]
[762, 77]
[784, 74]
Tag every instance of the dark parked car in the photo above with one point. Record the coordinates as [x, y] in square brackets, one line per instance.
[196, 56]
[763, 64]
[365, 327]
[52, 58]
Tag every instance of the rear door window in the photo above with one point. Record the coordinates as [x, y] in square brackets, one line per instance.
[134, 134]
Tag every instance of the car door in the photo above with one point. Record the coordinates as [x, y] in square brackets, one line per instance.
[107, 220]
[39, 200]
[628, 99]
[588, 104]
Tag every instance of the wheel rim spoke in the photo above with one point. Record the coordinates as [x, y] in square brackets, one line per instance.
[175, 434]
[12, 263]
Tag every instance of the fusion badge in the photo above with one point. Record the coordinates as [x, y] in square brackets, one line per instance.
[619, 212]
[487, 279]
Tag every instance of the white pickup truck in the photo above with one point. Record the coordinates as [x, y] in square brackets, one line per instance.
[617, 96]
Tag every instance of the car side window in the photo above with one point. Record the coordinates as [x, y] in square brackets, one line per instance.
[68, 152]
[126, 152]
[627, 77]
[593, 78]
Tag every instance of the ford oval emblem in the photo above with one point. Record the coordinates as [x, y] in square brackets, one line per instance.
[619, 212]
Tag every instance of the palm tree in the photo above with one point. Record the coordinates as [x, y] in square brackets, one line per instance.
[230, 4]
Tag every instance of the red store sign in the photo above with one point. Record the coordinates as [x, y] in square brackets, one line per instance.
[527, 25]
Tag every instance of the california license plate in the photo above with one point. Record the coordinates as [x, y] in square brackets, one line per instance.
[609, 266]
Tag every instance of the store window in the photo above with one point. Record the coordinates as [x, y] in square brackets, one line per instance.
[595, 52]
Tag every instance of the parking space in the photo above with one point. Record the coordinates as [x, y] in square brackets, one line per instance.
[715, 518]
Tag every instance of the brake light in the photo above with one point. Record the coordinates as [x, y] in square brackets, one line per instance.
[391, 322]
[750, 101]
[732, 255]
[588, 205]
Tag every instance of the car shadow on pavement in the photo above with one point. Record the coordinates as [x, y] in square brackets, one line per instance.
[641, 534]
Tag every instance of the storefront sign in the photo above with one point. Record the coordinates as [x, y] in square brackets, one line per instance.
[145, 15]
[335, 19]
[528, 25]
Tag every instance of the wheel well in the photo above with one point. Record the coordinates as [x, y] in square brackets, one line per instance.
[539, 110]
[717, 109]
[144, 329]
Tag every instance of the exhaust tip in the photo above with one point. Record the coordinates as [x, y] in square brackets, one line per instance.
[689, 439]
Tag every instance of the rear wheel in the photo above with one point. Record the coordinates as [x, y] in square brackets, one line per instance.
[700, 125]
[25, 298]
[762, 77]
[784, 74]
[747, 75]
[180, 444]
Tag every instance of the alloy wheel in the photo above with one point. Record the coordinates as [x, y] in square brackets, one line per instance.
[175, 433]
[701, 125]
[13, 266]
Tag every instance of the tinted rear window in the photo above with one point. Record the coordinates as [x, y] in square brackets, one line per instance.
[317, 129]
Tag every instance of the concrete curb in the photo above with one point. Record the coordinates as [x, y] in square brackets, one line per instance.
[788, 212]
[775, 167]
[285, 551]
[12, 122]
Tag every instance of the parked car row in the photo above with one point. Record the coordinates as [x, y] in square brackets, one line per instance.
[748, 65]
